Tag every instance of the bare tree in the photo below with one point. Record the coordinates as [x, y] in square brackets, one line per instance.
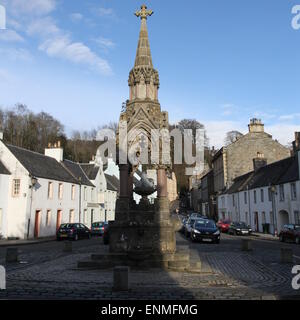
[232, 136]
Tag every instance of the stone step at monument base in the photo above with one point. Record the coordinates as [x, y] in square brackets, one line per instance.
[176, 261]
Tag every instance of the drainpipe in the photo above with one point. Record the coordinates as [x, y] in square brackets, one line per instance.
[249, 204]
[273, 190]
[79, 199]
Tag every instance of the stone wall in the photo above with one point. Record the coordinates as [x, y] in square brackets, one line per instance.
[241, 153]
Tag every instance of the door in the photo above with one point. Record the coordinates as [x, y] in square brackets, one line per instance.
[58, 219]
[256, 222]
[37, 223]
[1, 232]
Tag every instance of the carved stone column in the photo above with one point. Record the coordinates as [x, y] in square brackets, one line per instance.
[130, 185]
[124, 181]
[162, 183]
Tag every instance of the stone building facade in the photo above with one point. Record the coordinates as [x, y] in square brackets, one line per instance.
[237, 158]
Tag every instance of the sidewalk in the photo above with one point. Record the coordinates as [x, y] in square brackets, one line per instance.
[10, 243]
[265, 236]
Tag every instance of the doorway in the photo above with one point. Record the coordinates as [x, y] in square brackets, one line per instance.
[58, 219]
[37, 223]
[256, 221]
[283, 219]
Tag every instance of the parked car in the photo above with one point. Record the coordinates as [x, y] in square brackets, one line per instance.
[188, 226]
[205, 230]
[98, 228]
[290, 233]
[223, 225]
[239, 228]
[106, 234]
[183, 225]
[73, 231]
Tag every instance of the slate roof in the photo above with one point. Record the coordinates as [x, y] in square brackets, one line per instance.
[3, 169]
[77, 172]
[112, 183]
[41, 166]
[90, 170]
[280, 172]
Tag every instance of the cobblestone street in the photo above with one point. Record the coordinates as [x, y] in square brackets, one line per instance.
[49, 273]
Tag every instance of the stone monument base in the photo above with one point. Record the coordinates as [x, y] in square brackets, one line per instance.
[143, 236]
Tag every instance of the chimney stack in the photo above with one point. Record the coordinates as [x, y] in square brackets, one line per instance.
[55, 151]
[259, 162]
[256, 126]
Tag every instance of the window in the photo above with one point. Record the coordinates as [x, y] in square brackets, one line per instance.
[85, 216]
[16, 187]
[271, 218]
[245, 197]
[270, 194]
[48, 218]
[254, 195]
[50, 190]
[281, 192]
[73, 192]
[297, 217]
[263, 217]
[293, 191]
[223, 202]
[60, 191]
[92, 194]
[233, 202]
[71, 220]
[262, 198]
[247, 218]
[85, 193]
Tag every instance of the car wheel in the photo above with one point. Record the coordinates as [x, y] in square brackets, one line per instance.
[297, 240]
[58, 239]
[281, 238]
[217, 241]
[89, 236]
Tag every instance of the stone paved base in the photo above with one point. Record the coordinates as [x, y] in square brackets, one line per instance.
[233, 276]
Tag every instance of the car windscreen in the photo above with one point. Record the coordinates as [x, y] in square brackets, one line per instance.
[205, 224]
[67, 226]
[241, 225]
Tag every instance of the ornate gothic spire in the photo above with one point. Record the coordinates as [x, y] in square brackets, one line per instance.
[143, 54]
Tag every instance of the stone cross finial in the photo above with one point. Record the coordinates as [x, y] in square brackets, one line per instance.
[144, 13]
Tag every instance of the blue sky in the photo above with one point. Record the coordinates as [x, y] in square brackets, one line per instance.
[221, 62]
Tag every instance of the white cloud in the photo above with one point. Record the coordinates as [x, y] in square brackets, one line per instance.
[16, 54]
[32, 7]
[75, 17]
[216, 131]
[228, 109]
[105, 12]
[76, 52]
[105, 43]
[43, 27]
[10, 36]
[288, 117]
[283, 132]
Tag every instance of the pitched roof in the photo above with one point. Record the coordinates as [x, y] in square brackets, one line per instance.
[280, 172]
[112, 183]
[41, 166]
[3, 169]
[90, 170]
[77, 172]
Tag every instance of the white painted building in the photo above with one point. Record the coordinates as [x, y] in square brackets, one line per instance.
[41, 192]
[107, 186]
[268, 195]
